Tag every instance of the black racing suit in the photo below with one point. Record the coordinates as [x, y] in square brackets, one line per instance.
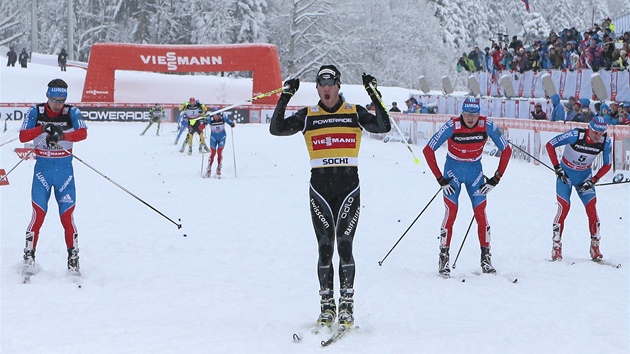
[333, 137]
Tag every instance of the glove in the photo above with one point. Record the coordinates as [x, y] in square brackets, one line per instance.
[490, 183]
[561, 174]
[232, 125]
[291, 86]
[370, 80]
[446, 185]
[55, 133]
[587, 185]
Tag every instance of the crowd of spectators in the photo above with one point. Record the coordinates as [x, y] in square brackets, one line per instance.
[596, 48]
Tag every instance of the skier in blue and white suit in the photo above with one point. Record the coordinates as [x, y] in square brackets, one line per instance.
[217, 138]
[574, 170]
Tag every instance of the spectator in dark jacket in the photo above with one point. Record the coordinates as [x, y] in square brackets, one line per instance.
[516, 44]
[11, 57]
[23, 58]
[538, 113]
[394, 107]
[62, 59]
[555, 55]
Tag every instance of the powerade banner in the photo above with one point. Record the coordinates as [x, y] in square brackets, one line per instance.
[119, 114]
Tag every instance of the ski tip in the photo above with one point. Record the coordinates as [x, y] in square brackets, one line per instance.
[296, 338]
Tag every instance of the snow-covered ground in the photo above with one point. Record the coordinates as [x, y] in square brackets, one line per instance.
[243, 279]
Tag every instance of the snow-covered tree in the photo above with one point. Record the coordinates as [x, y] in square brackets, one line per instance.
[250, 14]
[395, 40]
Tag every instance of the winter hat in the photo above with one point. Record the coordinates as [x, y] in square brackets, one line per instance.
[328, 72]
[598, 124]
[585, 102]
[471, 105]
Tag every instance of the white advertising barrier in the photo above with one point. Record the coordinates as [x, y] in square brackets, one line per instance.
[491, 107]
[529, 135]
[568, 83]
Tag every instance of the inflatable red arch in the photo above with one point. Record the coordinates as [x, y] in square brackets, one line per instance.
[105, 58]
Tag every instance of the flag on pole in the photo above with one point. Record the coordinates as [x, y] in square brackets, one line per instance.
[526, 4]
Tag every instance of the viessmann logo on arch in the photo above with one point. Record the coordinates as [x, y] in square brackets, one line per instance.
[172, 60]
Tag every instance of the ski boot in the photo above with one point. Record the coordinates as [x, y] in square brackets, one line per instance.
[29, 261]
[73, 261]
[182, 149]
[443, 267]
[346, 308]
[328, 308]
[486, 261]
[190, 151]
[218, 175]
[204, 147]
[556, 251]
[596, 255]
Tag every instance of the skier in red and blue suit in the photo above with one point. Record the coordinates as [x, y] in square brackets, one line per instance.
[52, 126]
[582, 146]
[466, 136]
[218, 136]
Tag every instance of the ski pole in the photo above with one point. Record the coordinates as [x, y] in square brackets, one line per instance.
[203, 155]
[179, 226]
[611, 183]
[416, 160]
[464, 240]
[262, 95]
[233, 151]
[380, 263]
[530, 155]
[8, 141]
[22, 160]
